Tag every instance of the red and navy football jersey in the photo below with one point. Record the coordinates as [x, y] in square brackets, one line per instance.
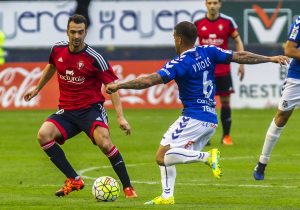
[217, 32]
[80, 76]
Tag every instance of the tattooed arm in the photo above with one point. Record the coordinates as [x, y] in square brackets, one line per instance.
[138, 83]
[252, 58]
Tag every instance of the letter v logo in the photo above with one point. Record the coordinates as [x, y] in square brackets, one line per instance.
[267, 35]
[266, 25]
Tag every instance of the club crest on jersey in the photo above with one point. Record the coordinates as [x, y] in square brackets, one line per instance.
[220, 27]
[80, 65]
[285, 104]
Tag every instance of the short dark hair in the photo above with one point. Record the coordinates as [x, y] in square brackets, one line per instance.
[76, 18]
[187, 31]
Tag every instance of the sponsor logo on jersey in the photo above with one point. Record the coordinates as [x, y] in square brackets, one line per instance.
[216, 42]
[60, 59]
[70, 72]
[212, 36]
[213, 40]
[69, 77]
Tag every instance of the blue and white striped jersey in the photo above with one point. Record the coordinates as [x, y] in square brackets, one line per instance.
[294, 36]
[194, 73]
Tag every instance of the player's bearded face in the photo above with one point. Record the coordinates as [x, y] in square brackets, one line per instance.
[76, 34]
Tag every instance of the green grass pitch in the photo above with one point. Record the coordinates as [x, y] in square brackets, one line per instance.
[28, 180]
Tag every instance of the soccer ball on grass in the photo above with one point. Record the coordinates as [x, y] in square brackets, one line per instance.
[105, 189]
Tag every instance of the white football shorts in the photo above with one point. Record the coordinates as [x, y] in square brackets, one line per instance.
[188, 133]
[290, 96]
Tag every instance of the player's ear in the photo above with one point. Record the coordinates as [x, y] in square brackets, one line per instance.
[181, 42]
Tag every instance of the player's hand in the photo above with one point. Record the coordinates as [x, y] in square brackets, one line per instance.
[31, 93]
[124, 125]
[282, 60]
[241, 72]
[111, 88]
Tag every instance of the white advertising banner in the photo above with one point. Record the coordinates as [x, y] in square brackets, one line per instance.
[143, 23]
[261, 87]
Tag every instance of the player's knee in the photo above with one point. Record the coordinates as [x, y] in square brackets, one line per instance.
[104, 143]
[225, 104]
[43, 137]
[102, 139]
[106, 147]
[160, 160]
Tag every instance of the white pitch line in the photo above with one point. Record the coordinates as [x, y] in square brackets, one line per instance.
[192, 183]
[82, 171]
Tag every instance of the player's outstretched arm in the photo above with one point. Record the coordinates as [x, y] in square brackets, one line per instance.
[48, 72]
[138, 83]
[246, 57]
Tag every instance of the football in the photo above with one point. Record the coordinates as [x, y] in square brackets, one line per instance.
[106, 189]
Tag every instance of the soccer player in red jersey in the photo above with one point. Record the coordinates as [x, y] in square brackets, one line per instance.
[81, 71]
[215, 28]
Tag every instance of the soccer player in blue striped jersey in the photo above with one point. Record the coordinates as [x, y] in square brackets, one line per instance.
[194, 72]
[290, 98]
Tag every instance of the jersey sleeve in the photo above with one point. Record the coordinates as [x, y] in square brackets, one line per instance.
[294, 34]
[233, 29]
[169, 71]
[219, 55]
[107, 76]
[99, 61]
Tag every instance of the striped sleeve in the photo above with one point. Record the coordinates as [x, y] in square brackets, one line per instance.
[102, 64]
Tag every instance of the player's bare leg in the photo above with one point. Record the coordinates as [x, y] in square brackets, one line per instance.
[102, 139]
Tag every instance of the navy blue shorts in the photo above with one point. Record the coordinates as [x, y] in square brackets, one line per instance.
[224, 86]
[72, 122]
